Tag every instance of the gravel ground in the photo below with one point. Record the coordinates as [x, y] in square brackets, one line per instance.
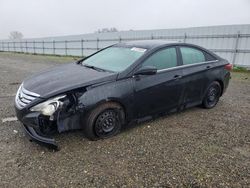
[194, 148]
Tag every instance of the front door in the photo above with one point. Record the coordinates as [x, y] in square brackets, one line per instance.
[161, 91]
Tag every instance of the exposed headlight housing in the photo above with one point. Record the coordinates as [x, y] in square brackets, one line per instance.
[48, 107]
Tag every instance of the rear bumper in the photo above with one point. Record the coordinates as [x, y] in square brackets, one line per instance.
[226, 82]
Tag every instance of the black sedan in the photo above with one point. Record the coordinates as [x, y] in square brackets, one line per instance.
[122, 83]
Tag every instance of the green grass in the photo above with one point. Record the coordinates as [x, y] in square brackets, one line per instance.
[240, 69]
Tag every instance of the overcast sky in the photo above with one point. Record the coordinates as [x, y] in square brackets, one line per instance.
[41, 18]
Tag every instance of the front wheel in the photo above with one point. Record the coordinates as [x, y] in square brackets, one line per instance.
[212, 95]
[104, 121]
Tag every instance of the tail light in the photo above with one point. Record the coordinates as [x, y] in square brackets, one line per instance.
[229, 67]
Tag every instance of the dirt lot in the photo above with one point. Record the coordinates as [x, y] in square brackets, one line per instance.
[194, 148]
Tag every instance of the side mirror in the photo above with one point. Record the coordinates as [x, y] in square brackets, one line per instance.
[147, 70]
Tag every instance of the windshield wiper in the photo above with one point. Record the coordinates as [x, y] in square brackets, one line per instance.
[93, 67]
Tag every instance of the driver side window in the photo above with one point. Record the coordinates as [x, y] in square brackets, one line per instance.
[162, 59]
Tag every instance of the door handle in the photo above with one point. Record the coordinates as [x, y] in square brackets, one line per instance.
[177, 77]
[208, 67]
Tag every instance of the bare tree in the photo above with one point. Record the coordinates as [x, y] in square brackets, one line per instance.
[15, 35]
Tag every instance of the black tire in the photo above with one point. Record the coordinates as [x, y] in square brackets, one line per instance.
[212, 95]
[104, 121]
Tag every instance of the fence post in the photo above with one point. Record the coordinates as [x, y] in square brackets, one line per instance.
[3, 46]
[54, 48]
[97, 43]
[21, 46]
[8, 46]
[14, 45]
[185, 37]
[152, 36]
[66, 50]
[34, 48]
[26, 46]
[236, 47]
[82, 47]
[43, 47]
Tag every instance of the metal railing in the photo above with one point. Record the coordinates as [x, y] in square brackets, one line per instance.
[78, 47]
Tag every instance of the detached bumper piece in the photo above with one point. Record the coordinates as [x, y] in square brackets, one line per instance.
[50, 142]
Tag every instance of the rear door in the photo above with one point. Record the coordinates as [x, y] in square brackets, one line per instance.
[162, 91]
[196, 67]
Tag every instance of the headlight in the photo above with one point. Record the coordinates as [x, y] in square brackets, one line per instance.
[48, 107]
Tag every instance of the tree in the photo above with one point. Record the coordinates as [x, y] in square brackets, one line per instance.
[15, 35]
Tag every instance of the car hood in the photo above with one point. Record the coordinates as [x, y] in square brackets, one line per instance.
[64, 78]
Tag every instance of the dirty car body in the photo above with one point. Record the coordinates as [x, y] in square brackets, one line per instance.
[158, 77]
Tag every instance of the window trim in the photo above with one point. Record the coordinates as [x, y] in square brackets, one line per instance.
[179, 59]
[188, 65]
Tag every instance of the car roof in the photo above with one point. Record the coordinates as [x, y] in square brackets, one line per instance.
[152, 44]
[148, 44]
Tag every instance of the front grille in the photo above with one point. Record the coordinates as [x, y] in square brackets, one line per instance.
[24, 97]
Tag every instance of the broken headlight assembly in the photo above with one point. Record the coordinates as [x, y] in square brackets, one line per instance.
[49, 107]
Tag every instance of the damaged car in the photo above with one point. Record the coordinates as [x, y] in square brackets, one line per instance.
[125, 82]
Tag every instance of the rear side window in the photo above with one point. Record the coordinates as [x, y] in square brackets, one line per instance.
[191, 55]
[162, 59]
[209, 57]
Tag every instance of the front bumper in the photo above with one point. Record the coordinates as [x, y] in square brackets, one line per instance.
[50, 142]
[32, 125]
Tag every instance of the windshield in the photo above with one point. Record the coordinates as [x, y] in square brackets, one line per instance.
[115, 59]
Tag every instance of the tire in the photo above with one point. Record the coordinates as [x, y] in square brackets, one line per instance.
[104, 121]
[212, 95]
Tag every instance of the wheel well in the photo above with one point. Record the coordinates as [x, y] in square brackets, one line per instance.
[221, 85]
[114, 102]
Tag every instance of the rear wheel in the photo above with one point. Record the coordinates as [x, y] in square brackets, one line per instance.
[212, 95]
[104, 121]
